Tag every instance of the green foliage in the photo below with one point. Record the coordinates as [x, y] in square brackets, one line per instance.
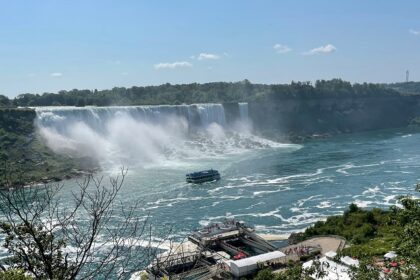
[293, 272]
[353, 208]
[14, 274]
[356, 225]
[264, 274]
[27, 157]
[371, 233]
[4, 101]
[32, 237]
[243, 91]
[408, 219]
[412, 88]
[365, 271]
[375, 232]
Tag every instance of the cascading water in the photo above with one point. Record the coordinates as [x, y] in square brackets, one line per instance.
[145, 134]
[243, 111]
[211, 113]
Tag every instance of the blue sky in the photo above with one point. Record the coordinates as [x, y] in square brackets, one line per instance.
[49, 45]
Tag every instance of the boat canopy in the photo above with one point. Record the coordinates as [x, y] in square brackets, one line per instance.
[204, 173]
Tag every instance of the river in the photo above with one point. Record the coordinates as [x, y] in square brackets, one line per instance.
[277, 187]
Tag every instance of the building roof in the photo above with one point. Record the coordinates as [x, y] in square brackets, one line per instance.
[331, 254]
[249, 265]
[390, 255]
[258, 259]
[349, 261]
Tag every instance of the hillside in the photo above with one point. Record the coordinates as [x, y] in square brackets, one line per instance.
[24, 157]
[411, 88]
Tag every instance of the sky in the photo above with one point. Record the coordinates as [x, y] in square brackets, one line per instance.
[52, 45]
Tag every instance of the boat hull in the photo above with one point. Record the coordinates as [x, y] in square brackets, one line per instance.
[203, 180]
[203, 176]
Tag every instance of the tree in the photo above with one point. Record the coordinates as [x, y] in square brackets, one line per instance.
[406, 243]
[83, 240]
[4, 101]
[365, 271]
[294, 272]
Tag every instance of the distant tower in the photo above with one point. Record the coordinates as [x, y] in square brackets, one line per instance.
[407, 76]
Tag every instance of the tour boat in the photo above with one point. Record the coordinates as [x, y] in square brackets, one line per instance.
[203, 176]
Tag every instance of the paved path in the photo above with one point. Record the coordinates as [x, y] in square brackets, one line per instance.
[325, 243]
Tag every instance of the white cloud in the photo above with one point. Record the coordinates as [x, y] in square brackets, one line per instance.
[282, 48]
[56, 74]
[208, 56]
[320, 50]
[173, 65]
[414, 32]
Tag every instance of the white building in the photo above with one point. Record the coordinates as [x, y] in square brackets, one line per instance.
[249, 265]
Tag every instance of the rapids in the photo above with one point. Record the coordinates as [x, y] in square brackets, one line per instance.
[279, 188]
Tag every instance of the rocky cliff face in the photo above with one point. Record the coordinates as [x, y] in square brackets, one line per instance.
[333, 115]
[18, 121]
[23, 156]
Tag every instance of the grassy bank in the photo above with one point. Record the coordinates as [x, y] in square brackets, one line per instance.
[370, 232]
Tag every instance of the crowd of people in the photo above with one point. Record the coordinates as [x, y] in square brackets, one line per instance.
[298, 250]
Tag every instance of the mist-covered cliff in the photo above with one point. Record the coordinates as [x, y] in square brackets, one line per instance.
[304, 117]
[24, 157]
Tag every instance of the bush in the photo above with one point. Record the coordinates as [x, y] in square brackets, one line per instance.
[264, 274]
[13, 274]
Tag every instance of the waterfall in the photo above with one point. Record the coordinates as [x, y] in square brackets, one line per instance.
[146, 134]
[212, 113]
[243, 111]
[200, 115]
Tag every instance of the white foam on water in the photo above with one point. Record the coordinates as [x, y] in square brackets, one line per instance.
[304, 219]
[149, 136]
[226, 187]
[254, 205]
[262, 193]
[324, 204]
[389, 198]
[302, 201]
[363, 203]
[399, 171]
[372, 191]
[343, 170]
[297, 209]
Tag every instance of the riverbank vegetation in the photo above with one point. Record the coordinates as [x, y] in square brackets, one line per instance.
[370, 234]
[411, 88]
[216, 92]
[24, 157]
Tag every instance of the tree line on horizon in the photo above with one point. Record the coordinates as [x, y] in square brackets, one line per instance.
[215, 92]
